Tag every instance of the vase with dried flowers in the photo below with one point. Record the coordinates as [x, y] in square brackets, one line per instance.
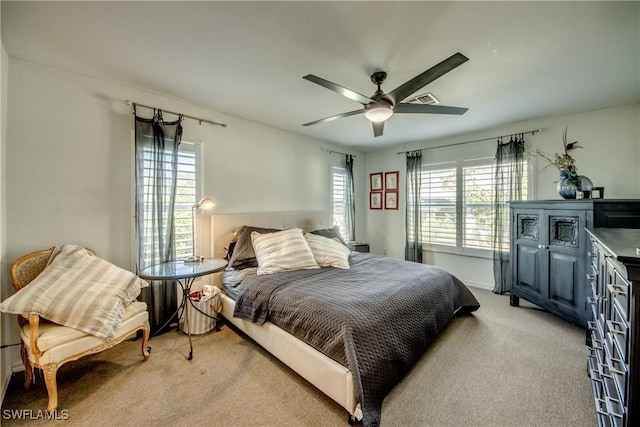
[570, 182]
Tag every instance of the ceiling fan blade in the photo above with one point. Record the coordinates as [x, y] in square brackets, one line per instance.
[428, 109]
[364, 100]
[421, 80]
[337, 116]
[378, 127]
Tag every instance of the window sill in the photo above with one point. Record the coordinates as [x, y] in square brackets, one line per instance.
[474, 253]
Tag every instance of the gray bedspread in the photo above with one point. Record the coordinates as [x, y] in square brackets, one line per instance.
[376, 318]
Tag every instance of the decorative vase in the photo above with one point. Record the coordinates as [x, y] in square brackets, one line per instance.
[568, 185]
[585, 183]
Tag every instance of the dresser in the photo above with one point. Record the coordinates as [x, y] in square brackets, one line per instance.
[614, 354]
[549, 246]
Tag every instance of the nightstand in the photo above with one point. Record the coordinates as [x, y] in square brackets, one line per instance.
[359, 246]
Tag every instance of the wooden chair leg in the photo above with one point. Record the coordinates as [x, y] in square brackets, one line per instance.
[50, 374]
[145, 339]
[28, 370]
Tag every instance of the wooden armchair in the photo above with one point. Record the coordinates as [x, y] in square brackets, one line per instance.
[47, 346]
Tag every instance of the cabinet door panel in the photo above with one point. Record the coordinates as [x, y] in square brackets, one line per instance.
[528, 226]
[565, 284]
[564, 230]
[528, 268]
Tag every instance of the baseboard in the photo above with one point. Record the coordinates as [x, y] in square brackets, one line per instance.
[5, 386]
[479, 285]
[17, 366]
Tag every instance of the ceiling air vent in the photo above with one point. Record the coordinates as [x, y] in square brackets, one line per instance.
[425, 98]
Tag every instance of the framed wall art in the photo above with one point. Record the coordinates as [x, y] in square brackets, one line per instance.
[391, 199]
[376, 181]
[375, 200]
[391, 180]
[597, 193]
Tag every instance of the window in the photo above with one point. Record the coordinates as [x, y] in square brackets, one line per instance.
[338, 191]
[477, 205]
[185, 199]
[457, 205]
[439, 200]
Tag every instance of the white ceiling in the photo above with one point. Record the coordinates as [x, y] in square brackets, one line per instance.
[247, 59]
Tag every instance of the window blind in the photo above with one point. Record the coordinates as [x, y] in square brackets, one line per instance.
[438, 199]
[457, 204]
[338, 190]
[185, 199]
[477, 206]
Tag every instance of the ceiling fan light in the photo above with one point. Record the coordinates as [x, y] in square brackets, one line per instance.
[378, 113]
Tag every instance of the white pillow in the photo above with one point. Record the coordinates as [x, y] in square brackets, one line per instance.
[328, 252]
[282, 251]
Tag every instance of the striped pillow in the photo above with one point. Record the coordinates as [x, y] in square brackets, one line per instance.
[241, 250]
[78, 290]
[328, 252]
[282, 251]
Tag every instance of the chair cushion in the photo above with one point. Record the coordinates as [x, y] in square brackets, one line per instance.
[52, 335]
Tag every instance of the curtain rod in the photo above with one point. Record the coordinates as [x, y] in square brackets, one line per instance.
[476, 140]
[337, 152]
[134, 104]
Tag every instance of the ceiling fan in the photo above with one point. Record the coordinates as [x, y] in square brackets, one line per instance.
[380, 106]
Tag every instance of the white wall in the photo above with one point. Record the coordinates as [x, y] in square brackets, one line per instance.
[610, 158]
[6, 325]
[67, 169]
[69, 165]
[70, 174]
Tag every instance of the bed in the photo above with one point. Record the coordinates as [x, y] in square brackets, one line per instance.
[353, 332]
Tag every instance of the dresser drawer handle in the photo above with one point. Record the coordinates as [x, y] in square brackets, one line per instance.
[617, 371]
[612, 412]
[594, 300]
[603, 367]
[592, 254]
[592, 357]
[599, 407]
[617, 289]
[591, 277]
[614, 327]
[602, 374]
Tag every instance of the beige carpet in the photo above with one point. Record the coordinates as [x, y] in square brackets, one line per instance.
[500, 366]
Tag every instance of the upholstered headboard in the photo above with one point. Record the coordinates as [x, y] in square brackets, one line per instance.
[224, 226]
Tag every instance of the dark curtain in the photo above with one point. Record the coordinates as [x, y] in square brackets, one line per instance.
[349, 199]
[413, 215]
[156, 176]
[508, 182]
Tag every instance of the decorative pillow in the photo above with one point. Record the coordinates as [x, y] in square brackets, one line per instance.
[282, 251]
[331, 233]
[241, 249]
[328, 252]
[232, 246]
[78, 290]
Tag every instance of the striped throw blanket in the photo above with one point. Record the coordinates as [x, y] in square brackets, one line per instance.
[78, 290]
